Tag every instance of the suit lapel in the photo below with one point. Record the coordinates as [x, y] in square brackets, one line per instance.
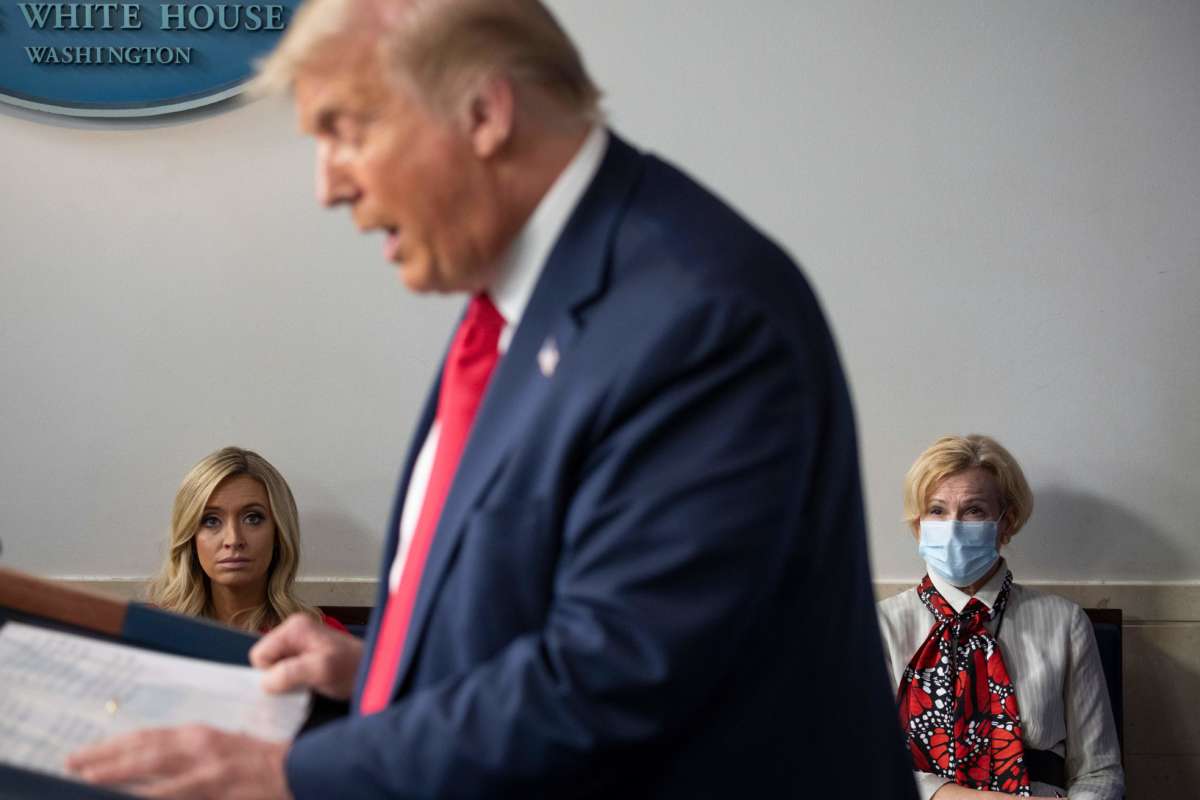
[574, 276]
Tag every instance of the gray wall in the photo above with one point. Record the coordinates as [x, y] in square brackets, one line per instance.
[998, 203]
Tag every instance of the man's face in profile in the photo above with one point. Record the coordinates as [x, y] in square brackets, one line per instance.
[403, 170]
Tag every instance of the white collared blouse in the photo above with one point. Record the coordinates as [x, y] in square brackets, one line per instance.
[1050, 651]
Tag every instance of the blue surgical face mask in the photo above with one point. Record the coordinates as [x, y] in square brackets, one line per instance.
[960, 552]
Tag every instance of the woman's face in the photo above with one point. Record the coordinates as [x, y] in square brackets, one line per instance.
[236, 538]
[970, 496]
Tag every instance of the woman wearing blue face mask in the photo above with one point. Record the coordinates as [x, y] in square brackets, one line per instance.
[999, 686]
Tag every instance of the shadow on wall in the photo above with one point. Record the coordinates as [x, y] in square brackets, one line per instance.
[1162, 731]
[1075, 536]
[334, 543]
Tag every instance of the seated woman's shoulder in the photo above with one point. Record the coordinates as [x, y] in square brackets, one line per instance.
[899, 602]
[1040, 599]
[333, 623]
[1032, 603]
[900, 612]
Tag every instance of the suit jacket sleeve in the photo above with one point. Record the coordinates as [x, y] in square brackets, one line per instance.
[687, 496]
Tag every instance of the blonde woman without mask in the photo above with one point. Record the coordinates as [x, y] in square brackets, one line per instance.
[235, 545]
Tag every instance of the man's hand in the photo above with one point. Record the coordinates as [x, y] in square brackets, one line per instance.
[305, 654]
[194, 761]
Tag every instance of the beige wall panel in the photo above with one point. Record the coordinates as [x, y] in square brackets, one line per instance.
[1148, 777]
[1162, 690]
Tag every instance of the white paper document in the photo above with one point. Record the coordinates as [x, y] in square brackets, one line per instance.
[59, 692]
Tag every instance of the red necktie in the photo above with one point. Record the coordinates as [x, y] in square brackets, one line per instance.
[469, 365]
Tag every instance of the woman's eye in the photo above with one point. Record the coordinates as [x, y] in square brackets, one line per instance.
[210, 522]
[254, 518]
[934, 512]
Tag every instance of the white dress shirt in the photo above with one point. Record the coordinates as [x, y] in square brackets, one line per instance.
[1050, 651]
[517, 275]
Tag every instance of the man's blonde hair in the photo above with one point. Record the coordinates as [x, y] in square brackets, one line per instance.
[951, 455]
[441, 48]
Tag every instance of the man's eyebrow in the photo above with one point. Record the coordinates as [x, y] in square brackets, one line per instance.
[324, 118]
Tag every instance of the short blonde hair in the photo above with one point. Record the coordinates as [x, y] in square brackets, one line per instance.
[441, 48]
[181, 584]
[951, 455]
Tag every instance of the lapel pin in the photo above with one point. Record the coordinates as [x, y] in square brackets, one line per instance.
[547, 357]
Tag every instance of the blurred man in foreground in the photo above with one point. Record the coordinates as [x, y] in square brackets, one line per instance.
[627, 557]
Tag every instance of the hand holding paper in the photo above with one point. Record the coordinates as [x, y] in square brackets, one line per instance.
[60, 692]
[204, 762]
[190, 761]
[304, 654]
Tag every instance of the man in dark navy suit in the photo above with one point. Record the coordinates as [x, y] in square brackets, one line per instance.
[628, 554]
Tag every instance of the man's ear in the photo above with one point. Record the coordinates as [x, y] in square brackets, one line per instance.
[490, 115]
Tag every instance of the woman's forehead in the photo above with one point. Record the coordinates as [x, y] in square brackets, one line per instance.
[974, 482]
[237, 490]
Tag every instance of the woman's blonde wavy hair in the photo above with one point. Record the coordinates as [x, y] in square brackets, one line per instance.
[183, 587]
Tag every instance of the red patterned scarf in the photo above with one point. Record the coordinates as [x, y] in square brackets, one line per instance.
[957, 703]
